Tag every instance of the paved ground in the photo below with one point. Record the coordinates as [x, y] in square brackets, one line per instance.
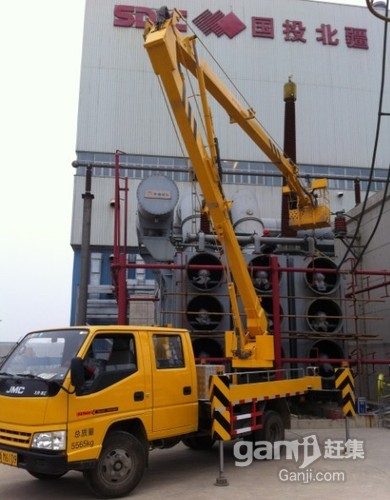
[183, 473]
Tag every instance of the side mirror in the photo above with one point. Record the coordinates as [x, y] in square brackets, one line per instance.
[77, 376]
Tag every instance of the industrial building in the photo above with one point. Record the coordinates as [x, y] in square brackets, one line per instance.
[333, 53]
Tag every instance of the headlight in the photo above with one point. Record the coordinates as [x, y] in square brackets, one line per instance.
[55, 440]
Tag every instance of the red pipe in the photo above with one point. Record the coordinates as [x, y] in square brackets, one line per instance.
[367, 289]
[338, 361]
[276, 317]
[280, 269]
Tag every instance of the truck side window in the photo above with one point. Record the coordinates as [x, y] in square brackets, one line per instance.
[168, 351]
[109, 359]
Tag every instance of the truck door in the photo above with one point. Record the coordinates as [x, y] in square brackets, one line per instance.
[173, 385]
[114, 385]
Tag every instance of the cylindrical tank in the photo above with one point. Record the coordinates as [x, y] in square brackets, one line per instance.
[189, 214]
[318, 233]
[157, 197]
[272, 227]
[320, 282]
[245, 214]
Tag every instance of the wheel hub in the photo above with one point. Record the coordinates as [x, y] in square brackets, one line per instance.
[116, 466]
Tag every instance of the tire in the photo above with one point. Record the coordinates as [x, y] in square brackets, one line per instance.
[119, 468]
[199, 442]
[45, 477]
[273, 428]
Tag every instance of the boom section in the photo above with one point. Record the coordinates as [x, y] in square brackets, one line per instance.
[163, 52]
[310, 204]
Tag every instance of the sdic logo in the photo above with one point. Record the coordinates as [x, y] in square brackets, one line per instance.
[219, 24]
[130, 16]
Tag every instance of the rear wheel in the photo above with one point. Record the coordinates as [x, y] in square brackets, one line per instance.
[120, 466]
[44, 476]
[273, 428]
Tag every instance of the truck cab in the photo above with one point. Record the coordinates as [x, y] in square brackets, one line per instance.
[71, 398]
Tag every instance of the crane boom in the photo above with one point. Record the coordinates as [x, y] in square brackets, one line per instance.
[309, 212]
[169, 51]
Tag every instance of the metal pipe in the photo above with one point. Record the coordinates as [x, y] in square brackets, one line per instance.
[250, 239]
[337, 361]
[122, 291]
[280, 269]
[313, 360]
[357, 190]
[119, 265]
[220, 266]
[367, 289]
[288, 199]
[83, 163]
[276, 316]
[292, 322]
[85, 256]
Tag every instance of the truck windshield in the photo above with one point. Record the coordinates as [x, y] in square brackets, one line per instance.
[45, 354]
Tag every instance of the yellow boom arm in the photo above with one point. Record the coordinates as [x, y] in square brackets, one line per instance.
[311, 206]
[169, 51]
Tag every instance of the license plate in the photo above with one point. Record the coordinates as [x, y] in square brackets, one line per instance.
[8, 458]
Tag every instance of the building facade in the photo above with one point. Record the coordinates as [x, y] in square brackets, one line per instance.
[334, 54]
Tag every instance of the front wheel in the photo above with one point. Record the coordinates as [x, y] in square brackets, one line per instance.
[120, 466]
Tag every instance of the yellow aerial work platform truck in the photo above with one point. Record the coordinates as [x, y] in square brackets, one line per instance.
[97, 399]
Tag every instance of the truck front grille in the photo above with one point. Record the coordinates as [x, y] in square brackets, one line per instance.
[14, 437]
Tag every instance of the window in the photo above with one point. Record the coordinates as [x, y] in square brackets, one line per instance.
[234, 170]
[45, 354]
[180, 162]
[168, 162]
[150, 161]
[278, 181]
[110, 358]
[168, 351]
[352, 172]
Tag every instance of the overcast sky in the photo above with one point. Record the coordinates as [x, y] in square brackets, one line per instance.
[41, 43]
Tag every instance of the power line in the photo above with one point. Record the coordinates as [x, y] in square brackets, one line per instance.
[372, 168]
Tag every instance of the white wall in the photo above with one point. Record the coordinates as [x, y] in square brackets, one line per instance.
[121, 106]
